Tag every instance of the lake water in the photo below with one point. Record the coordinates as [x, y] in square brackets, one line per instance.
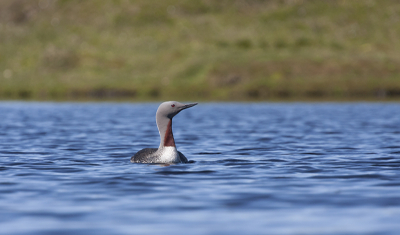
[261, 168]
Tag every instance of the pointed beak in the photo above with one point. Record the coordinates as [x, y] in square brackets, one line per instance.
[188, 106]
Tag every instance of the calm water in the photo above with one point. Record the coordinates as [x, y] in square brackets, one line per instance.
[266, 168]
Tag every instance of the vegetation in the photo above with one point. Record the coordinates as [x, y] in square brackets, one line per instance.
[199, 50]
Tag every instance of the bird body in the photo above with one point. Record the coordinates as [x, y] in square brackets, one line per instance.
[166, 152]
[164, 155]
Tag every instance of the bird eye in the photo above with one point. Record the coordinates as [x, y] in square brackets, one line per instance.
[172, 105]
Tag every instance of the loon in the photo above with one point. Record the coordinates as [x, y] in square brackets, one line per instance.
[167, 152]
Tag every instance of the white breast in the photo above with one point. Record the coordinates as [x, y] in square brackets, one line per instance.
[169, 155]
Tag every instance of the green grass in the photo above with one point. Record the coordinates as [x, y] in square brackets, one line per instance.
[203, 50]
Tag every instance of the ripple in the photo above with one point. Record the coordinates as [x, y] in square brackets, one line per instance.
[285, 168]
[184, 172]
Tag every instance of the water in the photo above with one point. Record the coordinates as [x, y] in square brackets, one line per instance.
[266, 168]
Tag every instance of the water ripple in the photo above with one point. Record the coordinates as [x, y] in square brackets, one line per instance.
[256, 168]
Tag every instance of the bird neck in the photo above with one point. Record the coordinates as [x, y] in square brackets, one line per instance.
[168, 136]
[165, 129]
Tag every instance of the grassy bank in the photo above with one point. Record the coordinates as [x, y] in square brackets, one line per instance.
[203, 50]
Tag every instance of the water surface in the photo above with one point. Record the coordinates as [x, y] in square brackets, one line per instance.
[261, 168]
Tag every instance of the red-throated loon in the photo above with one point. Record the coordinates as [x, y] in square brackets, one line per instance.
[167, 152]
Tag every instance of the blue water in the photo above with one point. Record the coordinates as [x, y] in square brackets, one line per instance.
[261, 168]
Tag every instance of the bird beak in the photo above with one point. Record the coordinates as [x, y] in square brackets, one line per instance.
[180, 108]
[187, 106]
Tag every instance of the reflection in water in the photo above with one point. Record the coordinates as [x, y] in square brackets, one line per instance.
[258, 168]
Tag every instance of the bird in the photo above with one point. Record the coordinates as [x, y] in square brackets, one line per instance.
[166, 153]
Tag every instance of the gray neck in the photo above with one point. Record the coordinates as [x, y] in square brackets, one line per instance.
[164, 125]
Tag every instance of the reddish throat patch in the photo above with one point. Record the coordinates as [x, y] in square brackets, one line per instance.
[169, 137]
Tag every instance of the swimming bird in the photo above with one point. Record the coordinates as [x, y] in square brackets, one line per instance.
[166, 152]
